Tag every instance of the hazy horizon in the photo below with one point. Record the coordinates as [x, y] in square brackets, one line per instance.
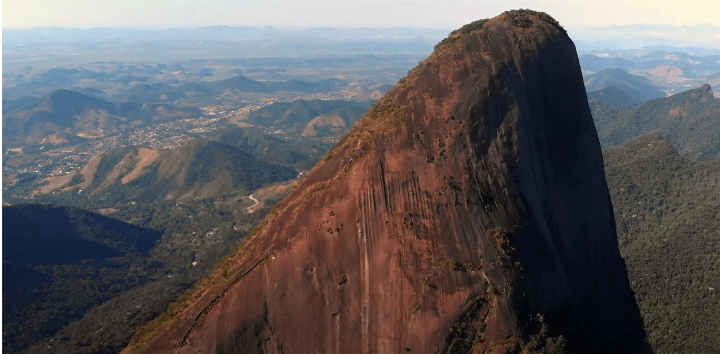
[25, 14]
[586, 38]
[593, 25]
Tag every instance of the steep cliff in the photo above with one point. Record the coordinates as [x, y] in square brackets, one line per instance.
[466, 212]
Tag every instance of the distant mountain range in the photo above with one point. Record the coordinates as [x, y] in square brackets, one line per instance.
[209, 42]
[147, 93]
[63, 76]
[693, 62]
[613, 97]
[636, 88]
[649, 37]
[595, 63]
[232, 161]
[241, 83]
[56, 78]
[309, 118]
[32, 120]
[155, 93]
[673, 70]
[304, 86]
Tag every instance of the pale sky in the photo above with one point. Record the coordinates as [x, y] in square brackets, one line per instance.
[448, 14]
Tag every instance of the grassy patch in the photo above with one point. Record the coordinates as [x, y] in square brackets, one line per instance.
[452, 264]
[501, 239]
[458, 35]
[387, 115]
[383, 116]
[542, 340]
[519, 18]
[416, 308]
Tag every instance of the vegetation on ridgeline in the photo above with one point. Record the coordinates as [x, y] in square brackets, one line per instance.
[518, 18]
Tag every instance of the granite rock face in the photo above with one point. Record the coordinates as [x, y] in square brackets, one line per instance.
[466, 212]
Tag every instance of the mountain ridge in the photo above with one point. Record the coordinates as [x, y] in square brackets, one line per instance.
[68, 111]
[308, 118]
[199, 169]
[636, 86]
[686, 119]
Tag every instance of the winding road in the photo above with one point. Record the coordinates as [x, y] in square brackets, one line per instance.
[251, 209]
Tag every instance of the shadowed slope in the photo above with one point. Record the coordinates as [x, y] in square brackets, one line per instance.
[59, 262]
[466, 212]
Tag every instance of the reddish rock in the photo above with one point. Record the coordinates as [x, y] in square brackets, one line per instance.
[467, 205]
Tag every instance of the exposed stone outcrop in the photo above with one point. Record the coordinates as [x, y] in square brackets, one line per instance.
[466, 212]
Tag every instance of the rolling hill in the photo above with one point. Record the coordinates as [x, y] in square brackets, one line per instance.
[19, 103]
[298, 154]
[614, 97]
[637, 87]
[689, 120]
[159, 93]
[199, 169]
[240, 83]
[155, 93]
[309, 118]
[595, 63]
[307, 87]
[78, 114]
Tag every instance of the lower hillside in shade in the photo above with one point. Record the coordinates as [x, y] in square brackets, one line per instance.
[466, 212]
[59, 262]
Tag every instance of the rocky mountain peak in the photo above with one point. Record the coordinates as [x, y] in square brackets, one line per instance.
[704, 92]
[466, 212]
